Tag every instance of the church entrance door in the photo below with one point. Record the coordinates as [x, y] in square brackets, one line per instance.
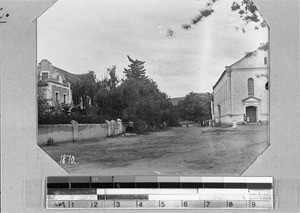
[251, 114]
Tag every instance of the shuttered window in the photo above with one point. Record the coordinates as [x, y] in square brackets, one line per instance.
[250, 86]
[65, 98]
[56, 96]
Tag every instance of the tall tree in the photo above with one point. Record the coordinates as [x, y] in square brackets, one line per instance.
[112, 81]
[136, 69]
[145, 104]
[195, 107]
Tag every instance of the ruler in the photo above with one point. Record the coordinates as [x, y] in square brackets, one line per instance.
[159, 192]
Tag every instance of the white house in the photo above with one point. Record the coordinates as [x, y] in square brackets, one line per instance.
[54, 85]
[240, 94]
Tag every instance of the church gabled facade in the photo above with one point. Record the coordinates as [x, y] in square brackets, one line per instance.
[240, 94]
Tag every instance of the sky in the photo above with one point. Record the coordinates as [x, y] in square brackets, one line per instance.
[83, 35]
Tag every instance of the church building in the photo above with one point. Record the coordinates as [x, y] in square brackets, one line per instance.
[241, 93]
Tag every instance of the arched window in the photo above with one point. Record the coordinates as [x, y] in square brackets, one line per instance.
[250, 86]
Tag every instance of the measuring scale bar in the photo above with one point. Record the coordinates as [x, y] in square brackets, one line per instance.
[160, 192]
[169, 204]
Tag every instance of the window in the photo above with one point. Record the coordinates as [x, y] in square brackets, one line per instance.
[265, 60]
[44, 76]
[65, 98]
[60, 79]
[250, 86]
[56, 96]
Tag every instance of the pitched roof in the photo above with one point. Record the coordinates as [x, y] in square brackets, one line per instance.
[263, 47]
[251, 97]
[70, 77]
[222, 75]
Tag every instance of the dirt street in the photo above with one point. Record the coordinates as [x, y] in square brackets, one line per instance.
[177, 151]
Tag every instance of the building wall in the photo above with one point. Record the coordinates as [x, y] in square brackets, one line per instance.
[61, 90]
[232, 88]
[56, 83]
[222, 99]
[240, 89]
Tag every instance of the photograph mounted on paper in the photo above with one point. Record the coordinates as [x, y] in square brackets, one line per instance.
[153, 87]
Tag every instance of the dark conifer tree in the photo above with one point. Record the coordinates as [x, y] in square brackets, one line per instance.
[136, 69]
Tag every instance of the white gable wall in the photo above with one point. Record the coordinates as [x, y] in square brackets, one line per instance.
[232, 89]
[240, 90]
[256, 59]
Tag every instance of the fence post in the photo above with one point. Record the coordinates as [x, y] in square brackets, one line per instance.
[119, 125]
[114, 127]
[75, 130]
[108, 124]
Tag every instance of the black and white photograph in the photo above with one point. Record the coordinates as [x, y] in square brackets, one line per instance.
[153, 87]
[149, 104]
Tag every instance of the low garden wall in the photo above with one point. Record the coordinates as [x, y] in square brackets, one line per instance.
[92, 131]
[76, 132]
[59, 132]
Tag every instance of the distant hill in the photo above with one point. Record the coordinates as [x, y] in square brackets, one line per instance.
[176, 100]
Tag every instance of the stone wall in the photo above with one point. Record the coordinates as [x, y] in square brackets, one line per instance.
[76, 132]
[59, 133]
[116, 127]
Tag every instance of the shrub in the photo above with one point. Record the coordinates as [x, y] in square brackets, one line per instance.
[60, 118]
[50, 142]
[129, 129]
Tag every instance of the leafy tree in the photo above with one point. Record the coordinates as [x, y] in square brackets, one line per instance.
[145, 104]
[43, 106]
[108, 104]
[113, 81]
[136, 69]
[195, 107]
[246, 9]
[136, 99]
[107, 98]
[141, 100]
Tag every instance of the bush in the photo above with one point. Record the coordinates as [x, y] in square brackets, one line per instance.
[50, 142]
[129, 129]
[48, 118]
[139, 126]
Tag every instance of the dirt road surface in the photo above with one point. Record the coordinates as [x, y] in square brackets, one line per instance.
[177, 151]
